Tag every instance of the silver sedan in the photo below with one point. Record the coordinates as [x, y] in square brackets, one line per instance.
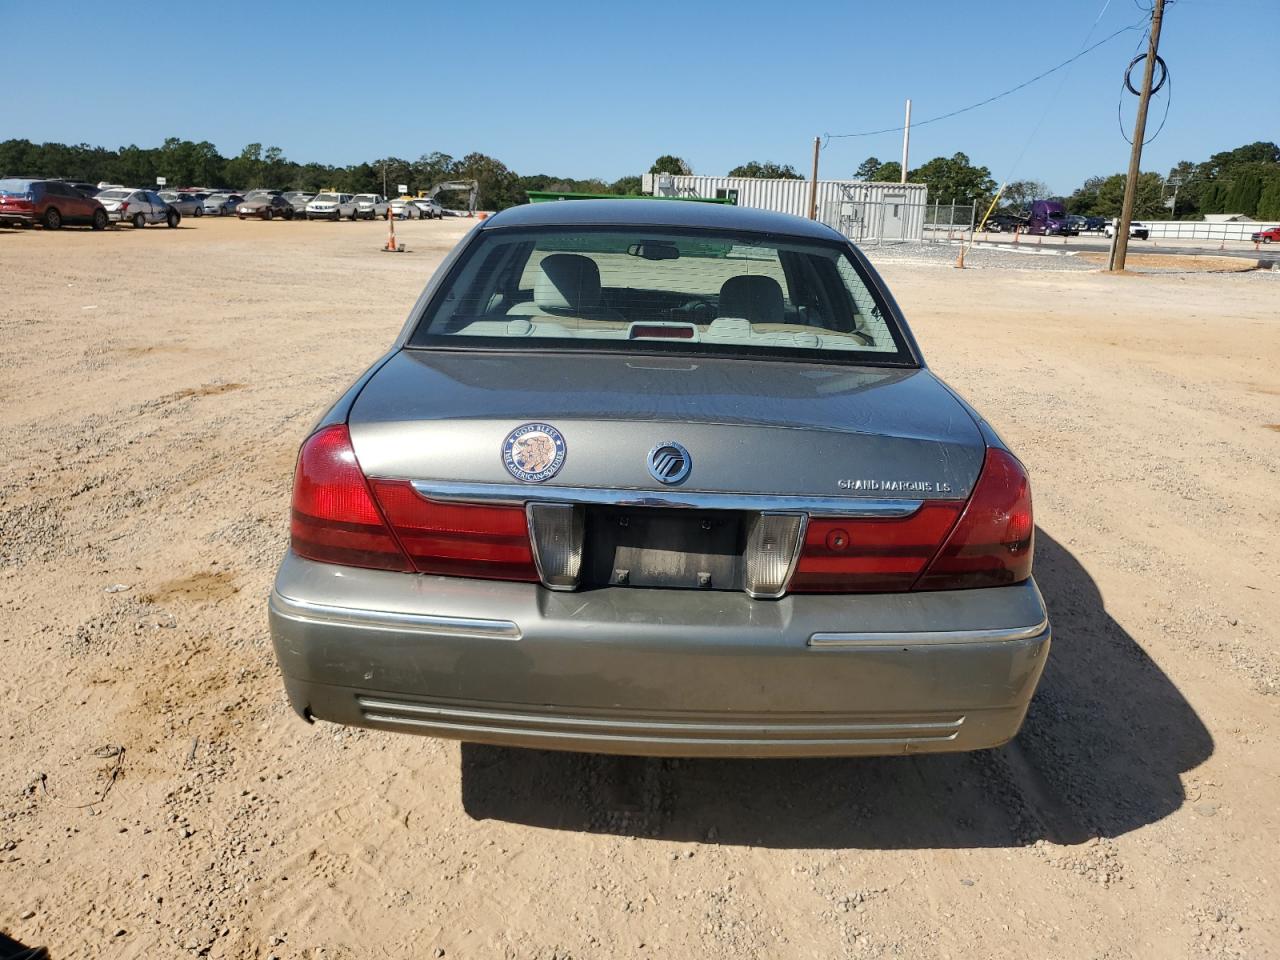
[659, 478]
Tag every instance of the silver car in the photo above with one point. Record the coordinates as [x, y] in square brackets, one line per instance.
[371, 206]
[139, 207]
[221, 204]
[660, 478]
[187, 204]
[430, 207]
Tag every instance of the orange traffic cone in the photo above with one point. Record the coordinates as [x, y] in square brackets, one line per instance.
[391, 245]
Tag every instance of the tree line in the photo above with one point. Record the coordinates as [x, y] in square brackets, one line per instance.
[1244, 180]
[187, 163]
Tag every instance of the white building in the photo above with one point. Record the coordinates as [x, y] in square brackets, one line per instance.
[859, 209]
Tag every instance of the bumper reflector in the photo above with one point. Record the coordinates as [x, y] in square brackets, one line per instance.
[772, 542]
[556, 532]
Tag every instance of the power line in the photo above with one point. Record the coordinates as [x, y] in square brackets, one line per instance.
[983, 103]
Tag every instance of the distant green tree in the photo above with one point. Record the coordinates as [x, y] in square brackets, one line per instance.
[766, 171]
[626, 186]
[246, 171]
[1220, 164]
[1148, 200]
[133, 166]
[1244, 193]
[955, 180]
[1269, 202]
[888, 172]
[1084, 200]
[431, 169]
[671, 164]
[867, 168]
[1018, 195]
[499, 187]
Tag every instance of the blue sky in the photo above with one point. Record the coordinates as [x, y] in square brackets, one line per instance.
[582, 89]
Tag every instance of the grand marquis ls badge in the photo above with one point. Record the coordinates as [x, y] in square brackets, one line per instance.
[669, 463]
[533, 452]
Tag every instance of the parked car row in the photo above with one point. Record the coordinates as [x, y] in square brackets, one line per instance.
[52, 203]
[1046, 218]
[25, 201]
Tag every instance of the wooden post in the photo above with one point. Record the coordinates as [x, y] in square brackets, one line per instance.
[1139, 133]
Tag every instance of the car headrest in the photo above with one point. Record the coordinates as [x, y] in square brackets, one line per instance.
[567, 282]
[754, 298]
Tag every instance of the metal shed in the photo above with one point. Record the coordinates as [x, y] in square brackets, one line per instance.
[859, 209]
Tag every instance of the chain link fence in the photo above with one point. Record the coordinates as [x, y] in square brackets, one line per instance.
[949, 221]
[871, 222]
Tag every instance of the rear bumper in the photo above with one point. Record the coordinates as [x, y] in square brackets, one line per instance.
[658, 672]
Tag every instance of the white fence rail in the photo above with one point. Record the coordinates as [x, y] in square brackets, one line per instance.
[1202, 230]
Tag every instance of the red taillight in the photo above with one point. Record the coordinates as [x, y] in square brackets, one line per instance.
[994, 540]
[988, 544]
[335, 519]
[859, 556]
[455, 539]
[124, 206]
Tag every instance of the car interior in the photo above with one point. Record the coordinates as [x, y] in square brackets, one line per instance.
[655, 289]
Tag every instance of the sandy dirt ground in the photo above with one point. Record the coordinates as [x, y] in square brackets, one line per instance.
[155, 387]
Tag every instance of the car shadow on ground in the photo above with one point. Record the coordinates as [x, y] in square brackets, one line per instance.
[1101, 753]
[11, 949]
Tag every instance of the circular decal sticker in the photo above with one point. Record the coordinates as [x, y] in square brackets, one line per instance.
[533, 452]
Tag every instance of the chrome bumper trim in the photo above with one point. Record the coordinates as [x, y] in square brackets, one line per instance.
[386, 710]
[926, 637]
[391, 620]
[518, 494]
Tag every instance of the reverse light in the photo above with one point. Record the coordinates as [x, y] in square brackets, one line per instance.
[771, 549]
[556, 531]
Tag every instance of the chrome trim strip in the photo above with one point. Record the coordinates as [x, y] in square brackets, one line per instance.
[536, 737]
[462, 714]
[449, 491]
[324, 613]
[926, 637]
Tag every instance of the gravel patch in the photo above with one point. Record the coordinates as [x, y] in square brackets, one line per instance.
[977, 258]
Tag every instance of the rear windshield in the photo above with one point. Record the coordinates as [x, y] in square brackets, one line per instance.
[114, 194]
[642, 290]
[13, 187]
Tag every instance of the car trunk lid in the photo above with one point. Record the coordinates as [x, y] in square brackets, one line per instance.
[752, 427]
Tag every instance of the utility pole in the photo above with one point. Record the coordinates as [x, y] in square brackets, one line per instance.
[813, 184]
[1173, 207]
[906, 142]
[1139, 134]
